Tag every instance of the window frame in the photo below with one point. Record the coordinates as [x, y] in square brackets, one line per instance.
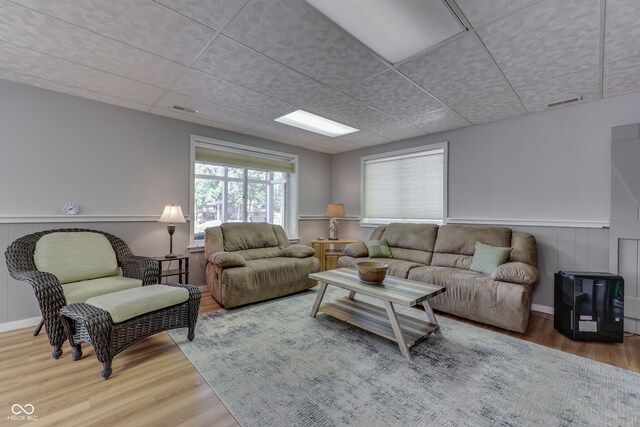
[366, 222]
[290, 216]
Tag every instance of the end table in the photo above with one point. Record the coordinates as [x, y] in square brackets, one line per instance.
[182, 271]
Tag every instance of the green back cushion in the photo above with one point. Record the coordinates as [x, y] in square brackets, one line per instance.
[378, 249]
[486, 257]
[74, 256]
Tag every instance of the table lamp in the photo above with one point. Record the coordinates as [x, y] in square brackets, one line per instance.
[172, 213]
[334, 210]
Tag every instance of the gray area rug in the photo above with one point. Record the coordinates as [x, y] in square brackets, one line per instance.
[273, 365]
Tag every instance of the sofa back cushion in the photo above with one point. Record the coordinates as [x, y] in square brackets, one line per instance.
[411, 242]
[75, 256]
[455, 244]
[525, 249]
[252, 240]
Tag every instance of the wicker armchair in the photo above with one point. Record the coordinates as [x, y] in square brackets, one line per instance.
[47, 287]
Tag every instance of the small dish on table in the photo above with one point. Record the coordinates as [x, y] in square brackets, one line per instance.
[371, 272]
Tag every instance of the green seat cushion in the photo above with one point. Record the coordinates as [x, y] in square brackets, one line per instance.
[75, 256]
[378, 249]
[486, 257]
[77, 292]
[127, 304]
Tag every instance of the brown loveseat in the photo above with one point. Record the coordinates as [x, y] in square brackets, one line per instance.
[443, 256]
[250, 262]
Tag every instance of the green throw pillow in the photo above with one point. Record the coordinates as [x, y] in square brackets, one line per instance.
[487, 257]
[378, 249]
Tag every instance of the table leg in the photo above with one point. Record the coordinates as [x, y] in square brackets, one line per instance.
[431, 317]
[352, 294]
[404, 348]
[316, 304]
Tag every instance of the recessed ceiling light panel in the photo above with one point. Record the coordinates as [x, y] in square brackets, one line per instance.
[313, 123]
[394, 29]
[185, 109]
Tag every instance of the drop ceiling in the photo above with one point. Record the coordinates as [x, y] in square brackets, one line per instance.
[242, 63]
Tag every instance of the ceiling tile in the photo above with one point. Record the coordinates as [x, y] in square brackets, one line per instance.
[622, 30]
[332, 146]
[348, 111]
[622, 77]
[229, 116]
[27, 28]
[482, 12]
[204, 86]
[236, 63]
[364, 138]
[395, 130]
[394, 94]
[31, 63]
[212, 13]
[142, 23]
[438, 121]
[295, 34]
[59, 87]
[545, 41]
[538, 96]
[463, 75]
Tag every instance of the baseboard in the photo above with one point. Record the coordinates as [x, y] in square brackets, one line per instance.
[19, 324]
[542, 308]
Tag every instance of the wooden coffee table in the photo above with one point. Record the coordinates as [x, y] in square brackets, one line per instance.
[403, 329]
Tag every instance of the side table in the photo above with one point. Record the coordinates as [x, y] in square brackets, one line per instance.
[329, 251]
[182, 271]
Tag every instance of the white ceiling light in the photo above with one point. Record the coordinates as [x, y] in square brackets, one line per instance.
[394, 29]
[307, 121]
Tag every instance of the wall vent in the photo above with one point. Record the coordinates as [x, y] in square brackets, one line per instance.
[185, 109]
[566, 101]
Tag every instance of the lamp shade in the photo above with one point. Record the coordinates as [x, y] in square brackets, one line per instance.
[172, 213]
[335, 210]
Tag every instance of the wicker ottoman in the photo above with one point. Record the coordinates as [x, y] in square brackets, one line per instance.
[120, 319]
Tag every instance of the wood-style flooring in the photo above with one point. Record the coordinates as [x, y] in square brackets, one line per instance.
[154, 384]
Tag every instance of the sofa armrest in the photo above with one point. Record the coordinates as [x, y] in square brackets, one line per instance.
[141, 267]
[297, 251]
[356, 250]
[516, 272]
[227, 259]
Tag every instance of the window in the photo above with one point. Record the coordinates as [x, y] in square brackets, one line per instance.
[407, 185]
[236, 183]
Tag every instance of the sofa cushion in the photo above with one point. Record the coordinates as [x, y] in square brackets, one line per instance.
[356, 250]
[378, 248]
[397, 267]
[487, 257]
[74, 256]
[455, 244]
[524, 248]
[77, 292]
[240, 236]
[419, 237]
[260, 273]
[127, 304]
[461, 284]
[297, 251]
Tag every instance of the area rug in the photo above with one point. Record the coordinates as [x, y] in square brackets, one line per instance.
[273, 365]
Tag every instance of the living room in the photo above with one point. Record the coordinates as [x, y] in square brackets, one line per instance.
[88, 121]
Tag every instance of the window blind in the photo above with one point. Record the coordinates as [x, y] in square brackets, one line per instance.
[404, 187]
[247, 159]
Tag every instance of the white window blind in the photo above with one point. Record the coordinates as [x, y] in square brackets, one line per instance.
[405, 187]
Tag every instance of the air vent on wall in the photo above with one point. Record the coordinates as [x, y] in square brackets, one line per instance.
[185, 109]
[566, 101]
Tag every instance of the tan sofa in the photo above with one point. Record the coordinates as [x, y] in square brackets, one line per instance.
[443, 256]
[250, 262]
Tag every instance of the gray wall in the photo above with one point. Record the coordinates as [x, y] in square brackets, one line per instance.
[58, 148]
[551, 166]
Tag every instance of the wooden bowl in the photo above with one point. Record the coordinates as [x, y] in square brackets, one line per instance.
[371, 272]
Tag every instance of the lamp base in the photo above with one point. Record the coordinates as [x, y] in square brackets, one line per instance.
[171, 256]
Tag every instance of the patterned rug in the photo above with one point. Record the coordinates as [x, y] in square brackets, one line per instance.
[273, 365]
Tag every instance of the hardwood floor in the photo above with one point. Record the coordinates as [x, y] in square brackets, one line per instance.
[153, 383]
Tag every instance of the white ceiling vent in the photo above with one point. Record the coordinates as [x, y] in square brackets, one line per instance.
[566, 101]
[185, 109]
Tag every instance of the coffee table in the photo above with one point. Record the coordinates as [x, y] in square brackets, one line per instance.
[403, 329]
